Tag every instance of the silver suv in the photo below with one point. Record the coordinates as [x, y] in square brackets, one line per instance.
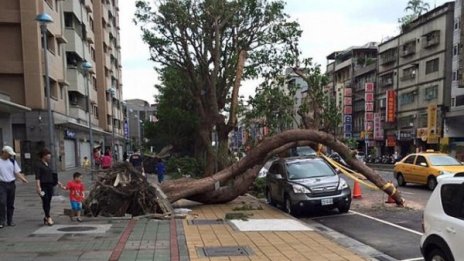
[306, 183]
[444, 221]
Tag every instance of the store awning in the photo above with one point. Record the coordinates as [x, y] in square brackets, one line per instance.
[11, 107]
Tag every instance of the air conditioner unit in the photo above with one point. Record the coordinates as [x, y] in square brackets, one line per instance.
[383, 103]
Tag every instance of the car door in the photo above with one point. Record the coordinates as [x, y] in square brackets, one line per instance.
[420, 170]
[452, 197]
[275, 181]
[408, 167]
[281, 182]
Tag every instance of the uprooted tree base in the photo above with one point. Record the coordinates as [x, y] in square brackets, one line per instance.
[122, 190]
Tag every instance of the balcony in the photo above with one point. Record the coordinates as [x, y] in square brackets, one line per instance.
[431, 39]
[76, 81]
[408, 77]
[75, 43]
[386, 82]
[78, 113]
[408, 49]
[387, 59]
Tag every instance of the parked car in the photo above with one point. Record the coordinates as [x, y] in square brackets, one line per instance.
[444, 221]
[424, 168]
[302, 151]
[335, 156]
[302, 183]
[360, 155]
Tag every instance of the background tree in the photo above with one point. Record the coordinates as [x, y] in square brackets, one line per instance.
[417, 7]
[216, 44]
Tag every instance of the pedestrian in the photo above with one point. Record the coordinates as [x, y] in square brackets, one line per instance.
[124, 156]
[97, 158]
[86, 164]
[76, 195]
[106, 160]
[46, 180]
[137, 161]
[9, 172]
[160, 169]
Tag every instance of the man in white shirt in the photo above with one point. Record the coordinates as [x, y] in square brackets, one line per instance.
[9, 171]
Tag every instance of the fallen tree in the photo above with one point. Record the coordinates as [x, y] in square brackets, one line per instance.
[203, 189]
[122, 189]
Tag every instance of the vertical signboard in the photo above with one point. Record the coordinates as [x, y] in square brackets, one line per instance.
[369, 110]
[391, 106]
[378, 130]
[432, 135]
[347, 113]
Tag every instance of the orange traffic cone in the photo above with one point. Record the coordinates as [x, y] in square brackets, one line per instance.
[357, 190]
[390, 200]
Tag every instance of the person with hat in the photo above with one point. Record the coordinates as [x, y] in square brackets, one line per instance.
[9, 172]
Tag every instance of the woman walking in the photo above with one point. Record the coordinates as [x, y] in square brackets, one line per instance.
[45, 182]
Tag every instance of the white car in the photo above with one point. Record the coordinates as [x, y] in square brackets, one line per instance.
[444, 221]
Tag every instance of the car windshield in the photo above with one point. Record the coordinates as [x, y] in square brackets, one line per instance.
[308, 169]
[443, 160]
[305, 151]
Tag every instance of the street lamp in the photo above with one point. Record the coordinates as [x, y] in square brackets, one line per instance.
[86, 66]
[113, 94]
[44, 19]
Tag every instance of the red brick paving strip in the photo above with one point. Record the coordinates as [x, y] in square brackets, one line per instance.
[117, 251]
[174, 245]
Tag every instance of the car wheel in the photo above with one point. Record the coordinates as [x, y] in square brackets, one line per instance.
[437, 255]
[344, 208]
[431, 183]
[400, 179]
[269, 199]
[289, 208]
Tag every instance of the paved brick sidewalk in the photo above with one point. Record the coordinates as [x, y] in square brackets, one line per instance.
[264, 245]
[146, 239]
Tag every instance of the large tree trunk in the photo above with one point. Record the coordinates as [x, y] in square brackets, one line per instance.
[207, 185]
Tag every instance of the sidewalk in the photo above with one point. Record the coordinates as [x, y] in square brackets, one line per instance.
[194, 238]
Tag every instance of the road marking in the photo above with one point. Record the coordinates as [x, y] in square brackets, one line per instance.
[387, 223]
[414, 259]
[407, 193]
[333, 215]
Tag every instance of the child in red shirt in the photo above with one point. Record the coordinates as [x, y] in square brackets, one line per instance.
[76, 194]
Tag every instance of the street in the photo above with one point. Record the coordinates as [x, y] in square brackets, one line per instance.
[394, 232]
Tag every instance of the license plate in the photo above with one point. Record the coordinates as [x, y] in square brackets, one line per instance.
[326, 201]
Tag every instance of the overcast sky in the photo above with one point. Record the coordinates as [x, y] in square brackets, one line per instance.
[328, 25]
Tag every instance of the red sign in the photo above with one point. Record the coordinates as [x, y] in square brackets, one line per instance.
[347, 110]
[369, 116]
[347, 101]
[391, 106]
[369, 97]
[369, 106]
[348, 92]
[369, 87]
[391, 141]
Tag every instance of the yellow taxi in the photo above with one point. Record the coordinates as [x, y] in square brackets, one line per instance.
[423, 168]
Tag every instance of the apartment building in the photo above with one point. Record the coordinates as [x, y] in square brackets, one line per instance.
[414, 79]
[352, 70]
[137, 112]
[76, 35]
[453, 132]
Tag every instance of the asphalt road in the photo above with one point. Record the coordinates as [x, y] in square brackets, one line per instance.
[389, 229]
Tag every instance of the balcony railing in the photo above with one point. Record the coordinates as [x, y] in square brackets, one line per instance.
[407, 77]
[387, 59]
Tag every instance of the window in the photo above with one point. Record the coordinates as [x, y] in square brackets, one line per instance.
[407, 98]
[456, 49]
[410, 159]
[68, 20]
[94, 82]
[431, 93]
[459, 100]
[51, 42]
[421, 159]
[443, 160]
[409, 73]
[431, 39]
[91, 24]
[409, 48]
[431, 66]
[456, 23]
[455, 76]
[452, 200]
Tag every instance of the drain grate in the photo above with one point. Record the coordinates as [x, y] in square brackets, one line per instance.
[76, 229]
[206, 222]
[225, 251]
